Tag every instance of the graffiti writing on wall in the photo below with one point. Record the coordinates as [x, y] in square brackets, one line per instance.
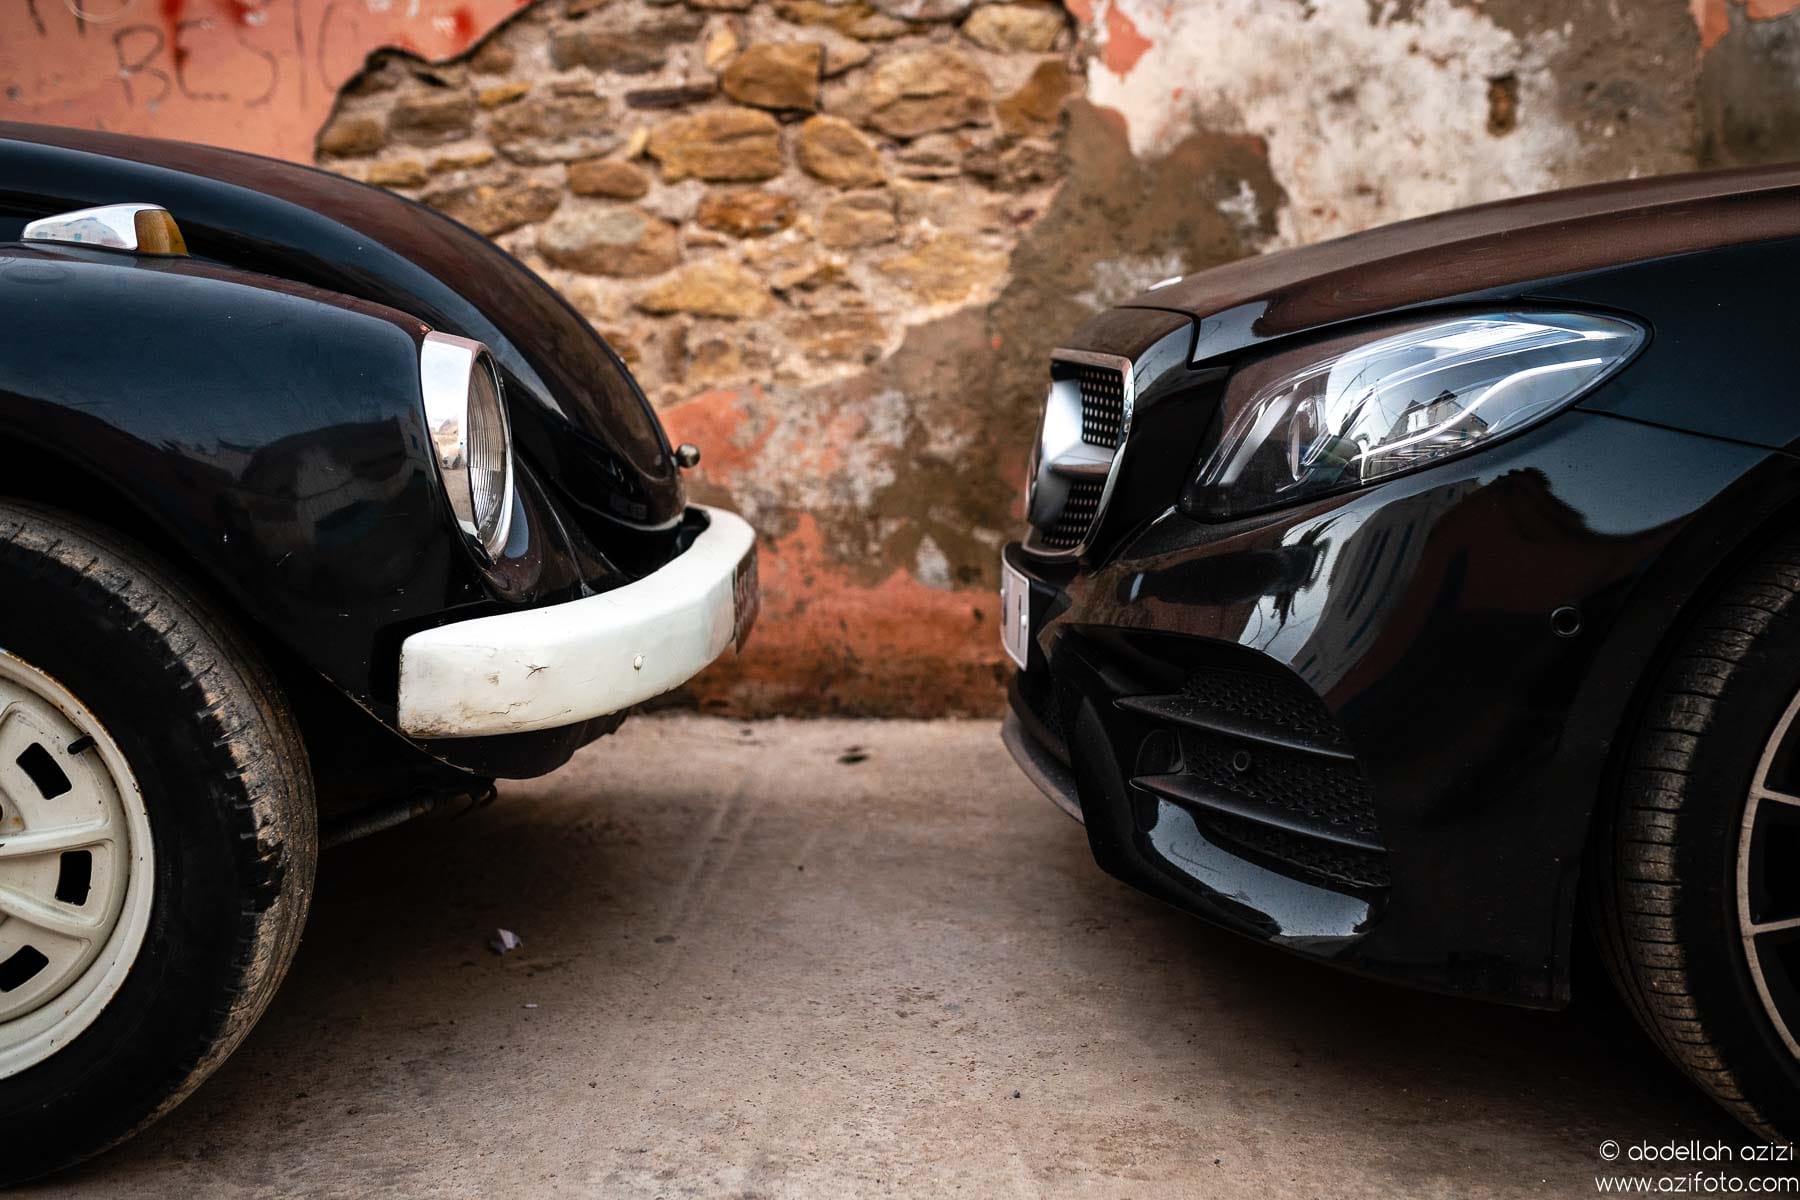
[252, 74]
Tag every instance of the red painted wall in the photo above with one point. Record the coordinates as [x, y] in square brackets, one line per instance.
[251, 74]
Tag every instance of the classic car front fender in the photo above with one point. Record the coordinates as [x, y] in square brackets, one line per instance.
[272, 432]
[576, 412]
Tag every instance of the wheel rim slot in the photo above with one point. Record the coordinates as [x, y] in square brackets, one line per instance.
[21, 968]
[76, 877]
[41, 767]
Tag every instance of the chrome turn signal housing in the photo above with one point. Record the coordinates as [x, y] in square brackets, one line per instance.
[138, 228]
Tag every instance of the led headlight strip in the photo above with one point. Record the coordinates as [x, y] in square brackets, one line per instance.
[1301, 425]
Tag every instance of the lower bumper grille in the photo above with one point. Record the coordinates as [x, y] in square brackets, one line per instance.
[1033, 695]
[1263, 767]
[1353, 868]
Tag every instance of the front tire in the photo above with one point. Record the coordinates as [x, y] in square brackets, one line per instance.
[157, 838]
[1695, 887]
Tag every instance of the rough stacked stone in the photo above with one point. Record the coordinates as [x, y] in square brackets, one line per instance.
[834, 150]
[614, 240]
[722, 145]
[778, 75]
[610, 177]
[555, 128]
[737, 193]
[426, 118]
[1010, 27]
[496, 206]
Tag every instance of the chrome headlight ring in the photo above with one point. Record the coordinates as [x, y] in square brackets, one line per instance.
[471, 437]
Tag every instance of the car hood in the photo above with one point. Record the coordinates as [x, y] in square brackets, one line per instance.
[576, 412]
[1466, 252]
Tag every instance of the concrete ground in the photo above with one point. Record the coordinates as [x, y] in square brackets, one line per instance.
[836, 958]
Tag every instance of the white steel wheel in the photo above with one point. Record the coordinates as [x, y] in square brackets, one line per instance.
[76, 866]
[157, 838]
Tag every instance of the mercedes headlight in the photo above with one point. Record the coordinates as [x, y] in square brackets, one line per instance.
[470, 437]
[1308, 424]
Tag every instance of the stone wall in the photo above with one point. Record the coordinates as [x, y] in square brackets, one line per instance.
[795, 222]
[838, 238]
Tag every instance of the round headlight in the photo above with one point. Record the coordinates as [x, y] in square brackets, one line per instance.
[470, 437]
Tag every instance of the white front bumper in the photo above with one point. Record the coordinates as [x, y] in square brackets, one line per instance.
[541, 668]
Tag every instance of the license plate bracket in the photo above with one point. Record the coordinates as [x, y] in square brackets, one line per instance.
[746, 598]
[1015, 614]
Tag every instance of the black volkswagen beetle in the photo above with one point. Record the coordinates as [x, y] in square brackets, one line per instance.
[309, 491]
[1409, 600]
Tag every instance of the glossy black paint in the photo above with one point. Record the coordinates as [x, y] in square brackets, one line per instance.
[1484, 249]
[253, 412]
[1420, 612]
[1724, 360]
[273, 433]
[576, 411]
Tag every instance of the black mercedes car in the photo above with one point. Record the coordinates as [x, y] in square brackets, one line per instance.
[1412, 600]
[319, 512]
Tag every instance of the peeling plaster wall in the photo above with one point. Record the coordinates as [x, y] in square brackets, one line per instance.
[838, 238]
[1383, 128]
[1378, 110]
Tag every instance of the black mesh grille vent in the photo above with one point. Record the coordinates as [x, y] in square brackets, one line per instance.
[1078, 515]
[1264, 698]
[1328, 793]
[1102, 405]
[1266, 770]
[1362, 870]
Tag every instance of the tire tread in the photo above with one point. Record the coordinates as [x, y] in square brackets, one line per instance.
[263, 773]
[1637, 890]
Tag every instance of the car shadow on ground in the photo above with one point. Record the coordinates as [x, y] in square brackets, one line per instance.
[816, 962]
